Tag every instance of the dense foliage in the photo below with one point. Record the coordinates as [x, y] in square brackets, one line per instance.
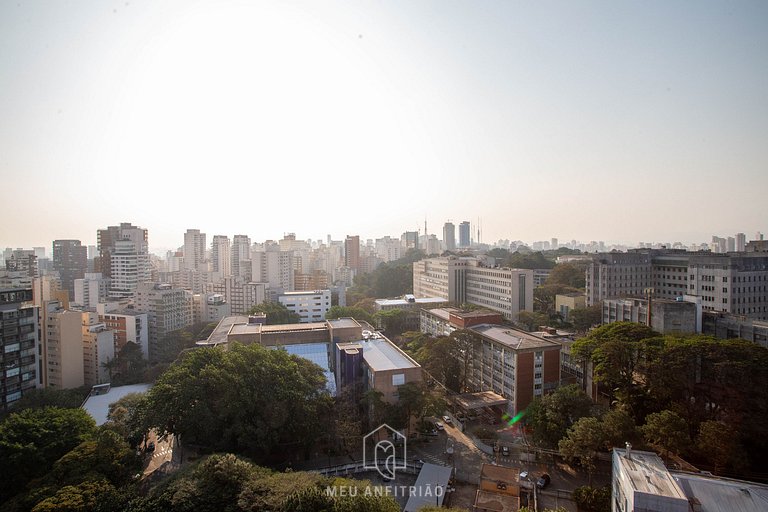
[686, 391]
[33, 439]
[247, 399]
[226, 483]
[392, 279]
[276, 313]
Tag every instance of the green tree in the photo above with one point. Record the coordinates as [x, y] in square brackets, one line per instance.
[667, 430]
[617, 351]
[349, 312]
[466, 344]
[131, 364]
[49, 397]
[33, 439]
[568, 274]
[718, 444]
[592, 499]
[412, 397]
[544, 297]
[584, 318]
[618, 428]
[392, 321]
[438, 357]
[276, 313]
[82, 497]
[552, 415]
[531, 321]
[582, 442]
[245, 399]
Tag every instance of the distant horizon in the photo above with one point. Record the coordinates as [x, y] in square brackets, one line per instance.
[160, 250]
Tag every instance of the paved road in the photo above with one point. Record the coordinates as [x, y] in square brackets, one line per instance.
[162, 454]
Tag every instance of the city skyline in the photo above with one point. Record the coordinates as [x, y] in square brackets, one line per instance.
[587, 121]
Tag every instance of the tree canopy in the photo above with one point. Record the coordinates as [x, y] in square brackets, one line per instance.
[247, 399]
[33, 439]
[276, 313]
[552, 415]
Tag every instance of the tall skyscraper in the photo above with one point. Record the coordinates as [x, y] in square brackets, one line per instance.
[741, 242]
[464, 234]
[554, 244]
[221, 255]
[19, 345]
[410, 240]
[241, 256]
[194, 249]
[123, 257]
[352, 252]
[70, 260]
[449, 236]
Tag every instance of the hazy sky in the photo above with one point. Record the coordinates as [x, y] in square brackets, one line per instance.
[608, 120]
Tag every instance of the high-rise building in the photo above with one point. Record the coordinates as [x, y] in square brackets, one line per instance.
[63, 343]
[98, 349]
[730, 283]
[22, 260]
[470, 280]
[128, 325]
[465, 239]
[19, 345]
[130, 266]
[221, 255]
[70, 260]
[241, 256]
[274, 267]
[449, 236]
[168, 309]
[240, 295]
[90, 290]
[105, 244]
[554, 244]
[389, 249]
[741, 242]
[311, 306]
[194, 250]
[352, 252]
[410, 240]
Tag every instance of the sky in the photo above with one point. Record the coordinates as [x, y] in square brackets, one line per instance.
[616, 121]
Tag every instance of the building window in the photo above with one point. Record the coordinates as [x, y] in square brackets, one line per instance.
[398, 379]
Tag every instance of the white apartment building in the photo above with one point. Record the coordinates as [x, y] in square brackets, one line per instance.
[168, 309]
[274, 267]
[389, 249]
[91, 290]
[129, 267]
[194, 250]
[221, 258]
[239, 294]
[98, 349]
[210, 307]
[310, 306]
[241, 257]
[475, 281]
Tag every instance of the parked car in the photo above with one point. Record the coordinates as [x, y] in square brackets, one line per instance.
[439, 426]
[505, 451]
[151, 446]
[523, 475]
[543, 481]
[447, 420]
